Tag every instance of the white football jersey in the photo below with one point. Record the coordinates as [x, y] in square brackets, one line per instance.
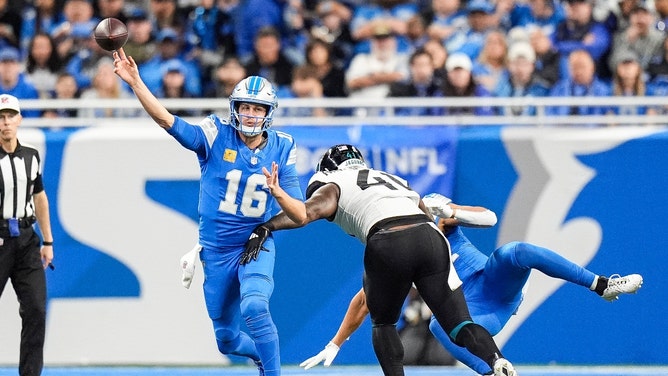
[368, 196]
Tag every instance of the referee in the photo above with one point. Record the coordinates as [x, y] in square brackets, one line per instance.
[23, 202]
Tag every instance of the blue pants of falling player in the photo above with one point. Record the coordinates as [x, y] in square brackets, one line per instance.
[494, 293]
[233, 292]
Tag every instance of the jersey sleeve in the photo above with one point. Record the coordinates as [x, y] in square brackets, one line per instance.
[192, 137]
[288, 176]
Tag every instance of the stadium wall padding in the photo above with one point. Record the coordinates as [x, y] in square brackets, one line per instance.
[124, 209]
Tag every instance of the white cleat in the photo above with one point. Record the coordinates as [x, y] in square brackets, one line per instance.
[618, 285]
[502, 367]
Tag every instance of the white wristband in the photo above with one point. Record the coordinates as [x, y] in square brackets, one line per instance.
[485, 218]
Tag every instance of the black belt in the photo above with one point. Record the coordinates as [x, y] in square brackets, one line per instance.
[24, 222]
[397, 221]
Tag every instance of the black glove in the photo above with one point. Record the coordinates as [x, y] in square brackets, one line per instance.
[255, 244]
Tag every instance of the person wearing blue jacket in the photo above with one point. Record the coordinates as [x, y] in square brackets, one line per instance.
[579, 31]
[582, 82]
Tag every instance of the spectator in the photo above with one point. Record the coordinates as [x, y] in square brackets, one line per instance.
[305, 84]
[169, 44]
[43, 64]
[225, 77]
[13, 81]
[174, 75]
[628, 81]
[460, 83]
[109, 8]
[41, 16]
[333, 26]
[438, 56]
[66, 88]
[295, 31]
[371, 74]
[521, 82]
[480, 15]
[212, 28]
[332, 76]
[77, 23]
[11, 25]
[106, 85]
[140, 45]
[639, 38]
[502, 12]
[548, 61]
[542, 14]
[416, 34]
[393, 14]
[658, 87]
[658, 65]
[582, 82]
[165, 14]
[579, 31]
[422, 83]
[445, 19]
[661, 7]
[252, 17]
[268, 60]
[85, 55]
[490, 67]
[619, 14]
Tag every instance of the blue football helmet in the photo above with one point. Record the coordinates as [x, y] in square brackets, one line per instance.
[341, 157]
[256, 90]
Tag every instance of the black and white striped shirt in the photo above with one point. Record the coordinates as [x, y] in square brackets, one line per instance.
[20, 178]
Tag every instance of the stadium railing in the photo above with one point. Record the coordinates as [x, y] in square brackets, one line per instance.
[379, 111]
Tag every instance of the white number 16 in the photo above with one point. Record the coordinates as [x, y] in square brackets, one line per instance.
[251, 194]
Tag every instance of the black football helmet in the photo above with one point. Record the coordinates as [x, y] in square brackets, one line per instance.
[341, 157]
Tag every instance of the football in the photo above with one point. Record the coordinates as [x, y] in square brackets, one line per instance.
[111, 34]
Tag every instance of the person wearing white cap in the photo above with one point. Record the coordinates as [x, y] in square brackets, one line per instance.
[521, 81]
[459, 83]
[23, 255]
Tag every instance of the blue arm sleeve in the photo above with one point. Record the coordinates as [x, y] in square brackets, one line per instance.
[290, 182]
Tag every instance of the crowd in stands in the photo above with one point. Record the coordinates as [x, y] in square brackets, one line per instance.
[344, 48]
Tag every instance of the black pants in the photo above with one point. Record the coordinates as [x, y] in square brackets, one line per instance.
[393, 260]
[20, 261]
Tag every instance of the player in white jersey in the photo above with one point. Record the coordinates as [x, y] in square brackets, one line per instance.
[493, 285]
[403, 246]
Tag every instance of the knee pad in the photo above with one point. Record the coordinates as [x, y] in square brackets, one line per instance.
[254, 305]
[226, 340]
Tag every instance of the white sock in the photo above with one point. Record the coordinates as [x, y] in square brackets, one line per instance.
[593, 284]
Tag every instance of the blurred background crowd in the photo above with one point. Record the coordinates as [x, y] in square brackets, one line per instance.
[343, 48]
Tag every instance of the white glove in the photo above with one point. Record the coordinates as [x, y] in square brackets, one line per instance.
[438, 205]
[188, 265]
[328, 355]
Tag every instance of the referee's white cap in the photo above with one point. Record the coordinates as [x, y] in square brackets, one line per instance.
[9, 102]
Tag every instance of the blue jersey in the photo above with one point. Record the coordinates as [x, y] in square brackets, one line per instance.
[468, 260]
[234, 197]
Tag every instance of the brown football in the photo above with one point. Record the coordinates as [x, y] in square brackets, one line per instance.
[111, 34]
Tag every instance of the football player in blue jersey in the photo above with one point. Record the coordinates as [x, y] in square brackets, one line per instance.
[241, 162]
[402, 247]
[492, 285]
